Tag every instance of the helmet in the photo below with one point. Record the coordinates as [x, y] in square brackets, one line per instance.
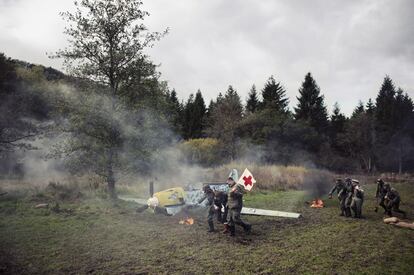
[234, 175]
[207, 188]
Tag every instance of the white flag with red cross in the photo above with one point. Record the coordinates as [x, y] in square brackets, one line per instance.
[247, 180]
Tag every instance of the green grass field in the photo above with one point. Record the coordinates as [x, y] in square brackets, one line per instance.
[95, 236]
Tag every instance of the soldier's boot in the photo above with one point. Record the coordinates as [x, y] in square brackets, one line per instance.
[226, 229]
[360, 212]
[342, 211]
[210, 226]
[348, 212]
[232, 230]
[383, 207]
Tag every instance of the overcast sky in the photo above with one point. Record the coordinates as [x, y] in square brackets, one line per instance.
[349, 46]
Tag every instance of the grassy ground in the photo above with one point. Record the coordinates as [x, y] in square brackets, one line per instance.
[90, 235]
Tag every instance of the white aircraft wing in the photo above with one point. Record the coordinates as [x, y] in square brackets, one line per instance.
[271, 213]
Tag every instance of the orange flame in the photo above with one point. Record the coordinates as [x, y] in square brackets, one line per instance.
[188, 221]
[317, 203]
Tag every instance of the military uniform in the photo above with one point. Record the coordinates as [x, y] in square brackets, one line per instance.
[357, 201]
[235, 205]
[380, 194]
[209, 195]
[349, 189]
[392, 202]
[340, 190]
[220, 201]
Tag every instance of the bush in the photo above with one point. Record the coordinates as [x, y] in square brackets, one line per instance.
[69, 192]
[203, 151]
[275, 177]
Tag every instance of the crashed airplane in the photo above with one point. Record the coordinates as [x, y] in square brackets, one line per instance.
[171, 201]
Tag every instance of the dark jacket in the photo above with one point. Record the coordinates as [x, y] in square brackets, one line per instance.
[380, 190]
[393, 195]
[358, 193]
[235, 197]
[220, 199]
[209, 195]
[349, 187]
[339, 187]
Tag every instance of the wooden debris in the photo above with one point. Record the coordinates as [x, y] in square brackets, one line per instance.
[395, 221]
[42, 205]
[405, 225]
[391, 220]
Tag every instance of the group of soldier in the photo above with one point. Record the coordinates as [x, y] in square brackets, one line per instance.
[231, 202]
[351, 197]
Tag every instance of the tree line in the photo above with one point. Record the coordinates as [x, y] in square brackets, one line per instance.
[378, 136]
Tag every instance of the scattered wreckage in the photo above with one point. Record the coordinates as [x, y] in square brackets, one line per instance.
[173, 200]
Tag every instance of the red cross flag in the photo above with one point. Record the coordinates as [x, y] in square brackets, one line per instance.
[247, 180]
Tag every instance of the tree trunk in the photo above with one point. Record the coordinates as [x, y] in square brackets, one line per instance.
[400, 159]
[111, 177]
[369, 164]
[110, 171]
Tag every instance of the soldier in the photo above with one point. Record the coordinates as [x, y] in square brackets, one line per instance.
[209, 195]
[357, 199]
[220, 201]
[235, 205]
[380, 195]
[392, 200]
[340, 190]
[349, 188]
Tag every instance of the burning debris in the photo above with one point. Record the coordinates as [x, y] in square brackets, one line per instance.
[316, 203]
[187, 221]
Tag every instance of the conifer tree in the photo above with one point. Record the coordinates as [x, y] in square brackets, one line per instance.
[385, 104]
[252, 101]
[274, 96]
[198, 115]
[194, 115]
[175, 111]
[311, 107]
[224, 120]
[370, 107]
[403, 108]
[337, 128]
[359, 109]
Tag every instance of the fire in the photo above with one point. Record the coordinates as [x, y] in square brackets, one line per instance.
[317, 203]
[188, 221]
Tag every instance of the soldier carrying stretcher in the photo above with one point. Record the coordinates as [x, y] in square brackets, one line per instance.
[392, 200]
[339, 187]
[357, 199]
[380, 195]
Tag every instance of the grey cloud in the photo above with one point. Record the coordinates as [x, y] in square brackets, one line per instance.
[349, 46]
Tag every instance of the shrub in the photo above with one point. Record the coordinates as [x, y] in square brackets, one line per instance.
[275, 177]
[203, 151]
